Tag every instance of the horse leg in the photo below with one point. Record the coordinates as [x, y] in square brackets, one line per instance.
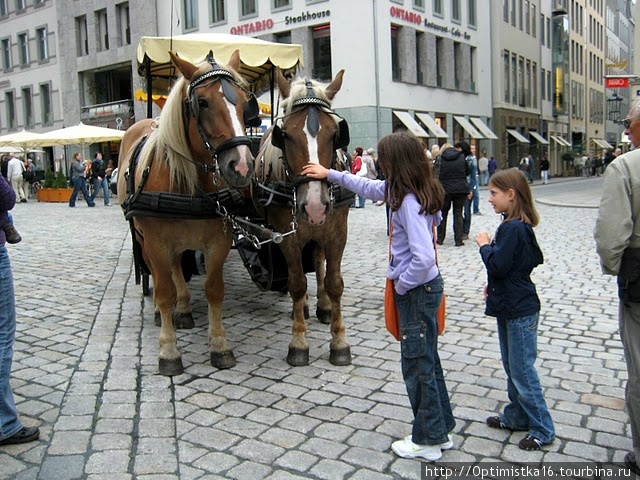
[339, 349]
[323, 308]
[164, 296]
[219, 350]
[298, 354]
[182, 316]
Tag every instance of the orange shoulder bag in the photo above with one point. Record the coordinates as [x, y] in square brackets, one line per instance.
[391, 316]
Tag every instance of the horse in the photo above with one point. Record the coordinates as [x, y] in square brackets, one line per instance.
[311, 219]
[184, 173]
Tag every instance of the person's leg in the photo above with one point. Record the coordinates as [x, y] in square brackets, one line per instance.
[85, 194]
[74, 194]
[442, 228]
[522, 341]
[466, 218]
[629, 322]
[361, 201]
[9, 422]
[458, 204]
[476, 200]
[105, 189]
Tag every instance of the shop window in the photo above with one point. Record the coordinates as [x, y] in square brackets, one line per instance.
[322, 52]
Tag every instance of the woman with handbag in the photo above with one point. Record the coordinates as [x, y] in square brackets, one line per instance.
[414, 196]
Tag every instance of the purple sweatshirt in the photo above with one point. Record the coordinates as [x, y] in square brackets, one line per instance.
[413, 259]
[7, 201]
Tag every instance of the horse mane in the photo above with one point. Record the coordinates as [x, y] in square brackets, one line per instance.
[171, 136]
[274, 164]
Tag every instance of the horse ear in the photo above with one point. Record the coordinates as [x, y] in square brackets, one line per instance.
[334, 86]
[283, 84]
[234, 61]
[186, 68]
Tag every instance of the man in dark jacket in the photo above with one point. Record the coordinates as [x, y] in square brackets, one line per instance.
[453, 171]
[99, 174]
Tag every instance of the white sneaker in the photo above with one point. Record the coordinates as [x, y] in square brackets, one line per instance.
[448, 445]
[407, 449]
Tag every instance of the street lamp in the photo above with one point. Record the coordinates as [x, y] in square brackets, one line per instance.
[614, 102]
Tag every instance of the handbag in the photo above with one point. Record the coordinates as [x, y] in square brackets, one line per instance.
[391, 316]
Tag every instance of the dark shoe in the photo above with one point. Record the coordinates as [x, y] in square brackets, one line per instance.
[24, 200]
[439, 242]
[631, 464]
[495, 422]
[26, 435]
[92, 205]
[459, 244]
[529, 442]
[465, 236]
[477, 213]
[12, 234]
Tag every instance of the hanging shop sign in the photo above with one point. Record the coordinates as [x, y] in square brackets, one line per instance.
[617, 82]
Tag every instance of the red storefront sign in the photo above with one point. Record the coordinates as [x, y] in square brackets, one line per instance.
[617, 82]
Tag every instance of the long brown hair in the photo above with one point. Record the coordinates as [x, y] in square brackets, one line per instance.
[523, 206]
[406, 169]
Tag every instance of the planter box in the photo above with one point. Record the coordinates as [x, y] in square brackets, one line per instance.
[60, 195]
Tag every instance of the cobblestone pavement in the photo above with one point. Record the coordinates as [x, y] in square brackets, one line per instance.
[85, 362]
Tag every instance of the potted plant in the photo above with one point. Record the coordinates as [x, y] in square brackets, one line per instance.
[61, 184]
[55, 187]
[46, 193]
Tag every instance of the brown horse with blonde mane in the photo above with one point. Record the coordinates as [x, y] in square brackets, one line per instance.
[182, 172]
[311, 216]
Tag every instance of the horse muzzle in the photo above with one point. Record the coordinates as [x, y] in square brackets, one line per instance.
[314, 202]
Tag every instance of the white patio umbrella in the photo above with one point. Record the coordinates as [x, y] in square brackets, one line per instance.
[24, 141]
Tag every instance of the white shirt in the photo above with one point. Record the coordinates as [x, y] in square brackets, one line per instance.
[15, 167]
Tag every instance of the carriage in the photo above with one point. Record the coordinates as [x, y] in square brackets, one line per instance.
[193, 180]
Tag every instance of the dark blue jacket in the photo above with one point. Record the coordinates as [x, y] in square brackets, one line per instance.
[510, 258]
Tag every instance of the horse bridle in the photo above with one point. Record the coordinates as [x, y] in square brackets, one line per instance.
[250, 114]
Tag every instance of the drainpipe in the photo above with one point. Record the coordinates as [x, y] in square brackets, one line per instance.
[376, 64]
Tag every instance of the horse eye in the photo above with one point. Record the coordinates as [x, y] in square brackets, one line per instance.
[202, 103]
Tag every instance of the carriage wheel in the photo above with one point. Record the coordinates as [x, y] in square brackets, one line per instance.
[145, 284]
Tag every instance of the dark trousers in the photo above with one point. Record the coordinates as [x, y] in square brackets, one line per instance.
[458, 204]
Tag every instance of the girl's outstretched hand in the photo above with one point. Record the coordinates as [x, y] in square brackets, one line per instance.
[483, 239]
[314, 170]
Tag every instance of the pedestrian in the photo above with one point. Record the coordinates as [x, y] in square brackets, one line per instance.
[493, 166]
[511, 297]
[99, 177]
[586, 165]
[414, 196]
[16, 178]
[544, 169]
[472, 181]
[356, 166]
[12, 431]
[78, 173]
[483, 169]
[617, 236]
[452, 170]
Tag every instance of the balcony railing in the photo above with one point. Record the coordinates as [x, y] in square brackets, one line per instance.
[117, 114]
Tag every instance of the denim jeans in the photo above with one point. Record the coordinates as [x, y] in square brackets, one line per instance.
[484, 178]
[80, 184]
[9, 423]
[97, 185]
[629, 323]
[519, 348]
[466, 216]
[421, 369]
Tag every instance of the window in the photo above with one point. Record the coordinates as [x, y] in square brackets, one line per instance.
[123, 25]
[38, 2]
[542, 29]
[437, 7]
[21, 5]
[7, 63]
[506, 76]
[10, 105]
[281, 3]
[548, 33]
[514, 79]
[190, 14]
[533, 20]
[513, 13]
[472, 61]
[419, 54]
[27, 107]
[549, 84]
[419, 4]
[521, 90]
[520, 14]
[82, 40]
[440, 56]
[543, 79]
[457, 56]
[102, 30]
[217, 11]
[42, 44]
[45, 104]
[527, 18]
[505, 10]
[472, 13]
[248, 8]
[455, 10]
[283, 37]
[527, 89]
[534, 85]
[23, 46]
[322, 52]
[4, 8]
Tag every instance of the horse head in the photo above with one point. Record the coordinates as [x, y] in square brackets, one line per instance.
[215, 109]
[309, 131]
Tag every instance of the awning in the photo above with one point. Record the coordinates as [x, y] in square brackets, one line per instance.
[411, 124]
[602, 143]
[470, 129]
[484, 129]
[539, 138]
[435, 129]
[516, 134]
[560, 141]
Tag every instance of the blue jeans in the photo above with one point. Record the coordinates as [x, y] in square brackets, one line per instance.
[9, 423]
[97, 184]
[80, 185]
[484, 178]
[519, 349]
[421, 369]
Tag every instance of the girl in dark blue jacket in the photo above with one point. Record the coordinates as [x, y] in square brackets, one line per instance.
[511, 297]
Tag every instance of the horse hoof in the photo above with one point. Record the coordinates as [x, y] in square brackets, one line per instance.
[305, 312]
[223, 360]
[324, 316]
[170, 368]
[297, 357]
[157, 319]
[183, 320]
[340, 357]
